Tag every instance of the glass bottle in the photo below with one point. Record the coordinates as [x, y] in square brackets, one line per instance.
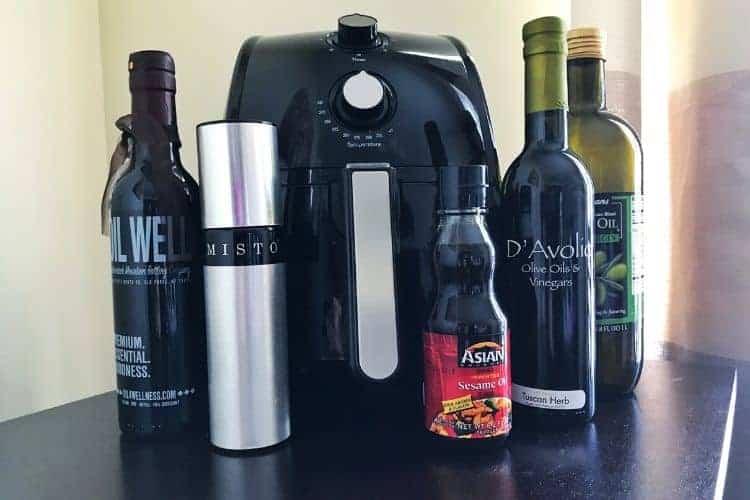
[612, 153]
[548, 281]
[156, 243]
[467, 372]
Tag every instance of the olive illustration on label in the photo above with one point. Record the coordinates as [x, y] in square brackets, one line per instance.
[611, 276]
[618, 272]
[599, 259]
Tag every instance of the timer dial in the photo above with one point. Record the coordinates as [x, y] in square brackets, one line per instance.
[357, 31]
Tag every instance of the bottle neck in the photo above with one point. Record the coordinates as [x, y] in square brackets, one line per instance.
[466, 226]
[160, 106]
[464, 255]
[546, 96]
[163, 153]
[548, 128]
[586, 80]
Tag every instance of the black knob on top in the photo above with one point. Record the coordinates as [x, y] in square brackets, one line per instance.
[357, 30]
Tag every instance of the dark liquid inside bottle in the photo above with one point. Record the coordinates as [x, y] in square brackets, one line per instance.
[547, 288]
[547, 249]
[467, 377]
[157, 285]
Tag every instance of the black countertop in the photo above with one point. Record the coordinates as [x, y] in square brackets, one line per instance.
[670, 441]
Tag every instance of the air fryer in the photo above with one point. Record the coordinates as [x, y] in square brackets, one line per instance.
[365, 118]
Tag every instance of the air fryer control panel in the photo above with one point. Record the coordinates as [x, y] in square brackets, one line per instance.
[359, 95]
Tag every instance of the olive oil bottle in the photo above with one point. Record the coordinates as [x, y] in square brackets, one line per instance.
[547, 282]
[612, 153]
[157, 266]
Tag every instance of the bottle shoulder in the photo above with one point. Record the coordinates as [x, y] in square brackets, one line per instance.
[610, 149]
[602, 128]
[470, 233]
[163, 189]
[451, 310]
[542, 167]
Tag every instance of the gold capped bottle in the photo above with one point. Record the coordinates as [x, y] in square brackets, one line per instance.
[612, 153]
[547, 278]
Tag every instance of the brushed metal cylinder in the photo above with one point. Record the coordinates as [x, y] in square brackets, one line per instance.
[239, 174]
[248, 383]
[245, 280]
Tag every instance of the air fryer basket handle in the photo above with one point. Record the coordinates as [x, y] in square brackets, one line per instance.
[371, 203]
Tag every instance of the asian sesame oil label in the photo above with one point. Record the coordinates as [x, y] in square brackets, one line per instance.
[467, 385]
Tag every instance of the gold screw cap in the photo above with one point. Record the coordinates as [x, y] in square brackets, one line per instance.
[586, 43]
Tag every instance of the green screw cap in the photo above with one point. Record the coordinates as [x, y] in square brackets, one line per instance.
[544, 35]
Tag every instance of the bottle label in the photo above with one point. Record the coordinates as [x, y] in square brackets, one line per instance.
[153, 284]
[467, 385]
[547, 399]
[618, 260]
[247, 246]
[549, 266]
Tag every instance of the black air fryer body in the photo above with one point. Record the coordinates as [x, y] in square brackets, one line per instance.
[359, 154]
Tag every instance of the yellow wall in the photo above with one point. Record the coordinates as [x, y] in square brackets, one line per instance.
[655, 138]
[68, 85]
[66, 82]
[621, 19]
[55, 295]
[708, 38]
[708, 107]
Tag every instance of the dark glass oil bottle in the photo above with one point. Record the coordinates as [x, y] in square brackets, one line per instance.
[155, 232]
[547, 274]
[467, 372]
[612, 153]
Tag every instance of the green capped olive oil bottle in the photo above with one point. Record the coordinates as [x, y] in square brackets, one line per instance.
[547, 278]
[612, 153]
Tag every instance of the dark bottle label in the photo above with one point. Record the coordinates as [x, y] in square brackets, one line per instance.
[467, 385]
[157, 317]
[550, 266]
[618, 260]
[547, 262]
[247, 246]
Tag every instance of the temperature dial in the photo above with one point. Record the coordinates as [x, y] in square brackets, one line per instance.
[362, 101]
[363, 92]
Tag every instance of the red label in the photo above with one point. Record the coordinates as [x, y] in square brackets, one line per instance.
[467, 385]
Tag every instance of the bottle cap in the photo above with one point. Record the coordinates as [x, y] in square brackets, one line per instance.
[544, 35]
[586, 43]
[462, 187]
[238, 166]
[151, 70]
